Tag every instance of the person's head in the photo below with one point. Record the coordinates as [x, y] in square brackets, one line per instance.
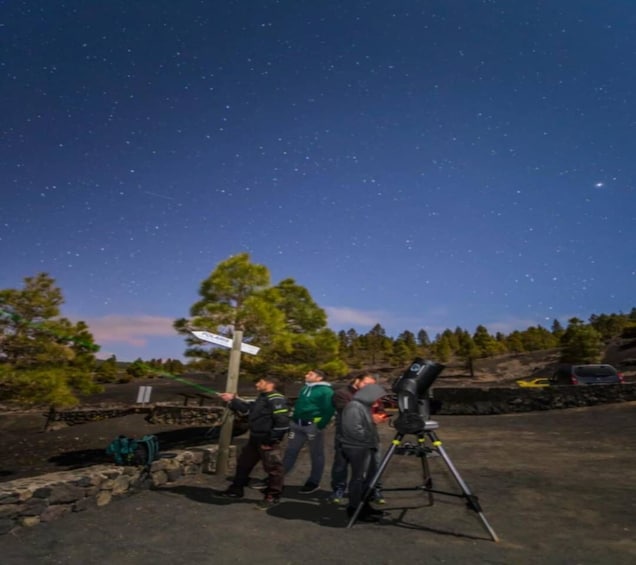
[266, 384]
[315, 376]
[363, 379]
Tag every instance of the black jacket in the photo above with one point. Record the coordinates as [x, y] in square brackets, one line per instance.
[268, 416]
[340, 399]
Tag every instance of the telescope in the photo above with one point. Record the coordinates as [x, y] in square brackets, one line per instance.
[413, 395]
[414, 402]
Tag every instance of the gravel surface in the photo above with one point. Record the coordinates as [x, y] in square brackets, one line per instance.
[557, 487]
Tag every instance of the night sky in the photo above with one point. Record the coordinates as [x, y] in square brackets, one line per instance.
[418, 164]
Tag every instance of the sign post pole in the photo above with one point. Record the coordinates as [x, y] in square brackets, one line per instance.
[225, 438]
[236, 345]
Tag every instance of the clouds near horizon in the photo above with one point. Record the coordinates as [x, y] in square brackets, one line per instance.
[133, 330]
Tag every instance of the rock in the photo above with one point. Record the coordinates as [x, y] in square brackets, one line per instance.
[54, 512]
[103, 498]
[65, 493]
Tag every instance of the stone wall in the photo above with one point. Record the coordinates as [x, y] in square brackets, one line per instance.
[34, 500]
[500, 400]
[156, 414]
[184, 415]
[90, 414]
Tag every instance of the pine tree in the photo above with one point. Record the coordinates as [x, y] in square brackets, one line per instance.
[45, 358]
[581, 343]
[107, 371]
[283, 320]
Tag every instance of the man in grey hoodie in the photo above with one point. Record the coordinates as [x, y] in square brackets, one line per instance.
[360, 441]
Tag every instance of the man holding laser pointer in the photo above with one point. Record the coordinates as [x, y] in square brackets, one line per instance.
[268, 418]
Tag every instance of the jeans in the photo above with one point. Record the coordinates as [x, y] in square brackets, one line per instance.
[298, 436]
[363, 467]
[340, 467]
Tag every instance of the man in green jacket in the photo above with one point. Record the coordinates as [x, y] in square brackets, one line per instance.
[312, 412]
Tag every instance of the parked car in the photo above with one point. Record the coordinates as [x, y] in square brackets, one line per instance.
[586, 375]
[539, 382]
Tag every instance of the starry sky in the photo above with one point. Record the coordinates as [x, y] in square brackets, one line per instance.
[417, 163]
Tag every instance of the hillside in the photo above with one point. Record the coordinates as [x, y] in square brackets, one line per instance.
[504, 370]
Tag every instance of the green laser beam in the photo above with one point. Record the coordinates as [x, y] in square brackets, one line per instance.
[180, 379]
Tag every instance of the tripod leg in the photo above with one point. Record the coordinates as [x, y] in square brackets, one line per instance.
[378, 474]
[472, 500]
[426, 473]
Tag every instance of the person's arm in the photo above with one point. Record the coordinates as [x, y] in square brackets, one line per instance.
[326, 407]
[235, 403]
[378, 414]
[280, 418]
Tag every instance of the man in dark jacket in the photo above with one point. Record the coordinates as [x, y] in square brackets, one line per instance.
[268, 418]
[360, 442]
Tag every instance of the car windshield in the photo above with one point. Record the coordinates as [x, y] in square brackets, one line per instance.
[595, 371]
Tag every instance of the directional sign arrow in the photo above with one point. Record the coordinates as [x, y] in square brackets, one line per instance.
[224, 341]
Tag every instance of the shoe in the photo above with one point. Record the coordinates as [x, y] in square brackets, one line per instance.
[373, 512]
[308, 488]
[268, 502]
[337, 496]
[259, 484]
[232, 492]
[365, 515]
[378, 497]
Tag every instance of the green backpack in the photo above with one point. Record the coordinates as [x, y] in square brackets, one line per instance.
[129, 451]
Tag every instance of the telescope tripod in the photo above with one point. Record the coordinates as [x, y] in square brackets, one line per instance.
[423, 451]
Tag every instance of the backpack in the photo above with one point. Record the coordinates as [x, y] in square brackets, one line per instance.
[146, 450]
[129, 451]
[122, 450]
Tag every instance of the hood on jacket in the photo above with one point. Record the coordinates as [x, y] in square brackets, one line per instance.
[308, 387]
[370, 393]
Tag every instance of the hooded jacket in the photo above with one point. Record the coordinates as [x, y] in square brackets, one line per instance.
[314, 404]
[358, 428]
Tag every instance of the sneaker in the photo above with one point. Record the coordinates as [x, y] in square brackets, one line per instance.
[378, 497]
[366, 509]
[366, 515]
[337, 496]
[308, 488]
[268, 502]
[232, 492]
[258, 484]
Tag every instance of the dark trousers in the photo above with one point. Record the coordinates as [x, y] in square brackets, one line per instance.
[363, 467]
[340, 470]
[272, 460]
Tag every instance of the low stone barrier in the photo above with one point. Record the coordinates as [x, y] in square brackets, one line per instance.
[500, 400]
[184, 415]
[78, 416]
[34, 500]
[156, 414]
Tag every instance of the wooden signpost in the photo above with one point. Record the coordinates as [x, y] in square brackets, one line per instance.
[237, 346]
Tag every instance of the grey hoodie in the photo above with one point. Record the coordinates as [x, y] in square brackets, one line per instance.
[358, 428]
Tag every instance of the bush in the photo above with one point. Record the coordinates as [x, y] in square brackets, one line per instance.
[37, 387]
